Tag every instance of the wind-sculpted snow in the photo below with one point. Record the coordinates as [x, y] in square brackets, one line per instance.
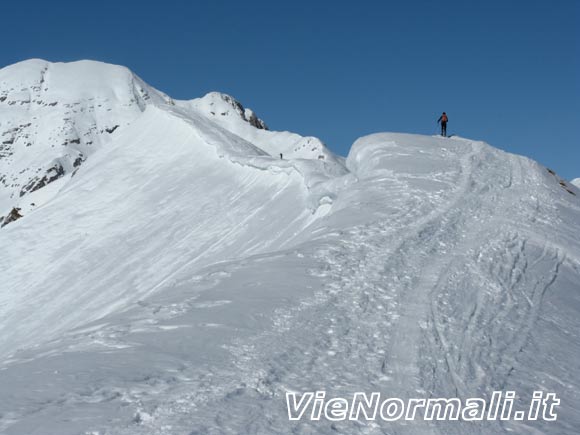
[195, 205]
[185, 278]
[54, 116]
[317, 175]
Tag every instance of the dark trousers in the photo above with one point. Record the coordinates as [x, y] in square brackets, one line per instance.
[443, 128]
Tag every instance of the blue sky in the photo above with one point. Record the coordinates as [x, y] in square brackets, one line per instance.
[505, 71]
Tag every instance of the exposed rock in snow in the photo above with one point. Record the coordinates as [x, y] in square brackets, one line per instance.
[53, 115]
[227, 113]
[216, 104]
[12, 216]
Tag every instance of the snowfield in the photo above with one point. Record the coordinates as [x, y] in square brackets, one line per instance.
[173, 275]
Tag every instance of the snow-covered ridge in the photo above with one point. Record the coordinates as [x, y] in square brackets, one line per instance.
[576, 182]
[219, 105]
[226, 112]
[53, 116]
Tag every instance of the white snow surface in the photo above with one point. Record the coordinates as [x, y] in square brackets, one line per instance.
[182, 278]
[576, 182]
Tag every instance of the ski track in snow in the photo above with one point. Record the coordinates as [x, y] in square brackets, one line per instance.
[380, 323]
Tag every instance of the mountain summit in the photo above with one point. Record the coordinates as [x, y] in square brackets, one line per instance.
[53, 116]
[165, 271]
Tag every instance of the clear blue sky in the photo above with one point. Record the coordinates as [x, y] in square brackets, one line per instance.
[505, 71]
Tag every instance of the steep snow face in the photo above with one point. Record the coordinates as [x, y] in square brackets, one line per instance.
[576, 182]
[54, 115]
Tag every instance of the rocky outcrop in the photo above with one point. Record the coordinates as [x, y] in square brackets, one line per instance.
[251, 117]
[217, 104]
[54, 173]
[12, 216]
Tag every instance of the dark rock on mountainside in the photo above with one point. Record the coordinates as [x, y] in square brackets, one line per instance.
[12, 216]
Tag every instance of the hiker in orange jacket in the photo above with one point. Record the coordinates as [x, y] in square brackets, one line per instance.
[443, 120]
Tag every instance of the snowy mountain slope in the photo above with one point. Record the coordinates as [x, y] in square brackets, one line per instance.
[576, 182]
[53, 116]
[226, 111]
[193, 206]
[186, 278]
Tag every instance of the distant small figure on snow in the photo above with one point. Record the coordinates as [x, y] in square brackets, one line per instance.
[443, 120]
[281, 157]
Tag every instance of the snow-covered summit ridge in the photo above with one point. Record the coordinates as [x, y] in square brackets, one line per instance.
[227, 112]
[53, 116]
[37, 81]
[576, 182]
[217, 104]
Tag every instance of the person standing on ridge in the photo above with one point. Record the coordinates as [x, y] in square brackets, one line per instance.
[443, 120]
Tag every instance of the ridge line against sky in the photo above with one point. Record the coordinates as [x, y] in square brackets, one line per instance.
[506, 72]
